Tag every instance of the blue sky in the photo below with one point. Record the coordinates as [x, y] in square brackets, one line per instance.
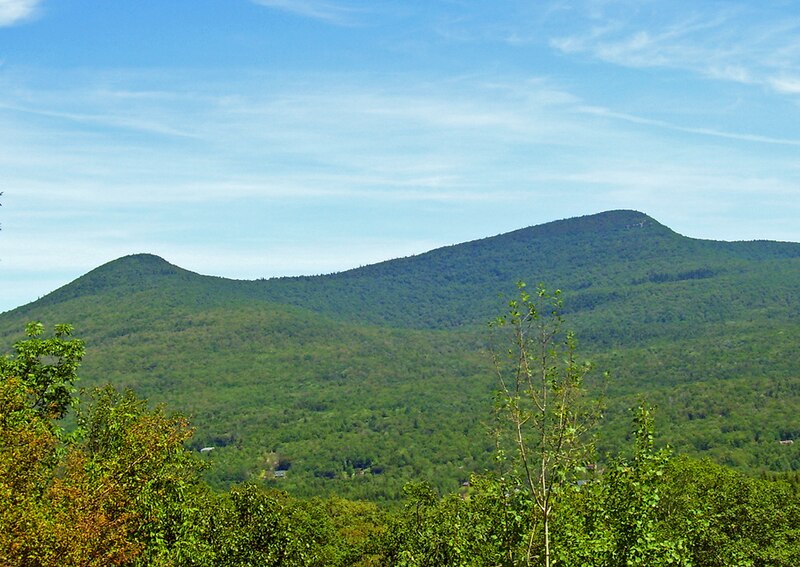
[258, 138]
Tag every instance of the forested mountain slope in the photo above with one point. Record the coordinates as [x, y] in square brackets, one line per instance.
[359, 380]
[601, 261]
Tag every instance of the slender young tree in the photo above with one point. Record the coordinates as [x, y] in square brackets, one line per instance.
[543, 412]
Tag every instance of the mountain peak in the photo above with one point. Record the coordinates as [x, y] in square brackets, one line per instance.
[132, 271]
[139, 261]
[135, 266]
[623, 219]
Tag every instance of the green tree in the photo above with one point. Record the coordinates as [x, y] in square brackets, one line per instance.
[46, 368]
[457, 530]
[122, 489]
[729, 518]
[543, 412]
[134, 458]
[48, 513]
[632, 529]
[251, 525]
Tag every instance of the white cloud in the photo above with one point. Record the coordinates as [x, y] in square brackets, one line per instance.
[755, 138]
[108, 120]
[738, 43]
[330, 12]
[786, 85]
[15, 11]
[731, 72]
[640, 44]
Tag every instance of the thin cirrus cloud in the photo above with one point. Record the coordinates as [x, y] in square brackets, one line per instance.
[732, 44]
[330, 12]
[13, 12]
[436, 143]
[755, 138]
[109, 121]
[787, 85]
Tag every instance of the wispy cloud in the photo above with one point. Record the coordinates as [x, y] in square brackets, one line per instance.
[370, 139]
[13, 12]
[742, 137]
[103, 120]
[788, 85]
[330, 12]
[744, 44]
[754, 44]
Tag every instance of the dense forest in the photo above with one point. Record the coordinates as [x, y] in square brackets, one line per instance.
[122, 486]
[373, 418]
[358, 382]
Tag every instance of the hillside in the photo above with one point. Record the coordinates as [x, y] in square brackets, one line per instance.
[359, 380]
[601, 261]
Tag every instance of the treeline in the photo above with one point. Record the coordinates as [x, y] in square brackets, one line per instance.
[123, 489]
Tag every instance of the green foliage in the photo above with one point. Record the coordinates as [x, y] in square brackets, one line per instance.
[729, 518]
[46, 368]
[627, 528]
[137, 455]
[250, 525]
[114, 491]
[27, 449]
[340, 408]
[255, 527]
[124, 490]
[361, 381]
[458, 530]
[542, 413]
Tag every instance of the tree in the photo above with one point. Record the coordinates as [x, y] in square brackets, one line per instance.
[46, 369]
[36, 386]
[632, 518]
[729, 518]
[454, 530]
[47, 516]
[543, 413]
[134, 461]
[120, 490]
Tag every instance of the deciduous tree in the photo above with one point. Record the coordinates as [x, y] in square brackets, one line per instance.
[46, 368]
[544, 414]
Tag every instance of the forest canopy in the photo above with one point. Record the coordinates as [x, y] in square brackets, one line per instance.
[124, 488]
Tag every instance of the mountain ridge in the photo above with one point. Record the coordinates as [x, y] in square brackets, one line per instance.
[137, 268]
[382, 366]
[590, 258]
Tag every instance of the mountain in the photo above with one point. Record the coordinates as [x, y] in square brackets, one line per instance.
[360, 380]
[602, 262]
